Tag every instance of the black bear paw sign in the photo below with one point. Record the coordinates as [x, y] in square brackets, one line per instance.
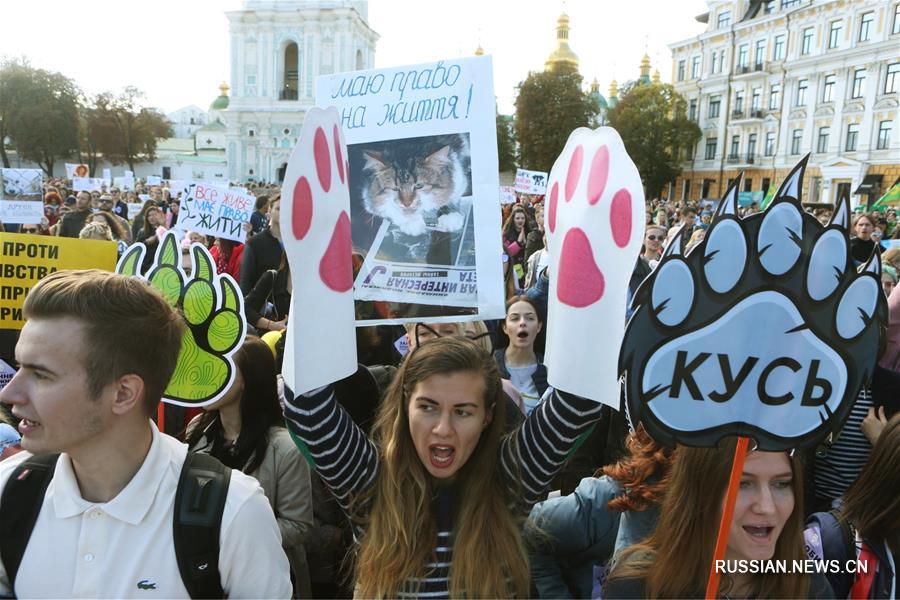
[765, 329]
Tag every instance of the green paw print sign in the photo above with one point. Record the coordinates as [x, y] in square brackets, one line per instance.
[212, 307]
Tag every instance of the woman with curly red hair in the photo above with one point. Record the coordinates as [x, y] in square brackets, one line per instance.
[575, 536]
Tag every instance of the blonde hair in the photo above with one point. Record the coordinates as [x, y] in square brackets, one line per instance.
[489, 555]
[96, 231]
[482, 340]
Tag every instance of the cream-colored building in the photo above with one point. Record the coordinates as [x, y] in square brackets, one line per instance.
[772, 80]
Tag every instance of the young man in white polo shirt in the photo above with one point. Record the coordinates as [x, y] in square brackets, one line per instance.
[95, 355]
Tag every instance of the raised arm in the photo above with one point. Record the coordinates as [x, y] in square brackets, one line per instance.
[536, 451]
[345, 458]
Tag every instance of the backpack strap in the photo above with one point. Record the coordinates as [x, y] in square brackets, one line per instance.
[199, 503]
[21, 504]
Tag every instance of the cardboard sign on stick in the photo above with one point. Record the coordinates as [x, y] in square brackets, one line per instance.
[216, 211]
[320, 347]
[531, 182]
[87, 184]
[77, 170]
[213, 309]
[765, 329]
[595, 227]
[21, 195]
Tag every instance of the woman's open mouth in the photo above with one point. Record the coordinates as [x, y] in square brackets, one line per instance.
[761, 532]
[441, 456]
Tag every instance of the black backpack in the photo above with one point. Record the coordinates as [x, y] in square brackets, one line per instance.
[199, 502]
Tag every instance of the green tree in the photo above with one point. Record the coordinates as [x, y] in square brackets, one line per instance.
[506, 144]
[126, 130]
[550, 105]
[653, 123]
[39, 112]
[98, 130]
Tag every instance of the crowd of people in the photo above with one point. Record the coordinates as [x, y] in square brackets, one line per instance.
[450, 470]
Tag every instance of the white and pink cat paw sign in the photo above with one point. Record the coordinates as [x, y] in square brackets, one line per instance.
[595, 226]
[423, 178]
[315, 228]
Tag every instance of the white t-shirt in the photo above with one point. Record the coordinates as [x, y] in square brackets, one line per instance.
[521, 379]
[82, 549]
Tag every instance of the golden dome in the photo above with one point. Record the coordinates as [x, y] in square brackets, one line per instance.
[223, 87]
[613, 88]
[645, 66]
[562, 55]
[479, 51]
[655, 78]
[595, 86]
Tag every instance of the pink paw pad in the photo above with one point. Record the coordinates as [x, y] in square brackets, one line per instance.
[301, 218]
[337, 152]
[335, 267]
[620, 217]
[581, 282]
[574, 173]
[554, 202]
[580, 279]
[323, 159]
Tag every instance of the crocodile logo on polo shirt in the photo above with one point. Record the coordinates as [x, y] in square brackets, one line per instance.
[146, 584]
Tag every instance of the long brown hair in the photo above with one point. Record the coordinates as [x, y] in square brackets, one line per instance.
[489, 555]
[872, 503]
[645, 459]
[509, 227]
[675, 560]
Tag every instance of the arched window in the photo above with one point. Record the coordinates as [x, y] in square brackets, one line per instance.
[359, 60]
[289, 86]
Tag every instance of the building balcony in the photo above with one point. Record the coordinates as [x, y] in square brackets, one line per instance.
[747, 115]
[742, 159]
[287, 94]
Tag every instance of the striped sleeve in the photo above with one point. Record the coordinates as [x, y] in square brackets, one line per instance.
[534, 453]
[845, 459]
[344, 457]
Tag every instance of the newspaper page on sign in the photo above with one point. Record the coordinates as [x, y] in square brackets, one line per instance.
[422, 158]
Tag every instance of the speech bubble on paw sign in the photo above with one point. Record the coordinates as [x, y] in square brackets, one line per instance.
[213, 309]
[320, 347]
[765, 329]
[595, 227]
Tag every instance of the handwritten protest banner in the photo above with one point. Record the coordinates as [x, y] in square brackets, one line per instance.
[107, 176]
[124, 183]
[21, 195]
[26, 259]
[531, 182]
[77, 170]
[134, 208]
[216, 211]
[429, 240]
[507, 194]
[87, 184]
[154, 180]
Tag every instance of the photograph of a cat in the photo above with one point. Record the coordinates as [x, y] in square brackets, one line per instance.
[412, 182]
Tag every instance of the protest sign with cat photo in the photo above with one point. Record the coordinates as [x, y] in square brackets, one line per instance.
[422, 163]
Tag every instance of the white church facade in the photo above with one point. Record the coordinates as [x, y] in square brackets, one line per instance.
[278, 48]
